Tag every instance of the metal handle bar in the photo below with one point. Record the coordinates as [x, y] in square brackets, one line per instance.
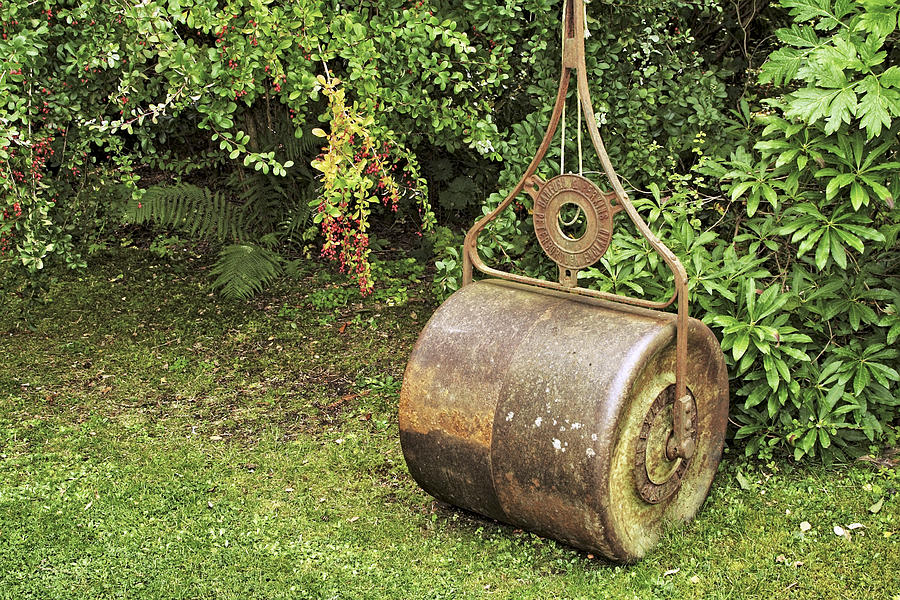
[573, 57]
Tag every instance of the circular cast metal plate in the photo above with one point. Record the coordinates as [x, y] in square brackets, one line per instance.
[655, 476]
[594, 204]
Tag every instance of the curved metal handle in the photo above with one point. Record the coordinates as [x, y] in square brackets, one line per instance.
[573, 54]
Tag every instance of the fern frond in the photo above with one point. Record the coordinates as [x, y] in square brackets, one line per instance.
[244, 270]
[295, 228]
[289, 140]
[303, 145]
[196, 211]
[266, 200]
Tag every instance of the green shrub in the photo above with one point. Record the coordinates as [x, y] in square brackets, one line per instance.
[821, 184]
[105, 95]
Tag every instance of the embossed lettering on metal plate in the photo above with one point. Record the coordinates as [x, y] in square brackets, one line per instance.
[586, 249]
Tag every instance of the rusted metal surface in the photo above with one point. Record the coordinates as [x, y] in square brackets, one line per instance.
[581, 415]
[681, 443]
[657, 468]
[572, 253]
[528, 406]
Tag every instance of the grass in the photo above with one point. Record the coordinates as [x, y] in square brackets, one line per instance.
[158, 442]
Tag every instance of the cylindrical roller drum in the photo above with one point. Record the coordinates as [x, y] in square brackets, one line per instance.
[553, 412]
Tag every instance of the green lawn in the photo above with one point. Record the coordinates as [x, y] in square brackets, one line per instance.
[158, 442]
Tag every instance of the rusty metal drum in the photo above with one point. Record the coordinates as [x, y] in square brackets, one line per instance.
[552, 412]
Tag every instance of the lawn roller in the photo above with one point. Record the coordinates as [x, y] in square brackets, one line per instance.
[592, 418]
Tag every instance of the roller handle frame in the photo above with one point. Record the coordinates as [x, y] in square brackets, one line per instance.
[681, 443]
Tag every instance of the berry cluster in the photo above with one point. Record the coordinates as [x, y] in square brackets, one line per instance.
[17, 211]
[478, 34]
[8, 25]
[35, 161]
[6, 240]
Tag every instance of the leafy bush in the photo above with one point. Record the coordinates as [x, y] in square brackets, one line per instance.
[99, 91]
[823, 178]
[103, 94]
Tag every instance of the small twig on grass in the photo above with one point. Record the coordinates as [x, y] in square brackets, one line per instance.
[346, 398]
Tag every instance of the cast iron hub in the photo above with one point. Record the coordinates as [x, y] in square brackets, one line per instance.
[656, 477]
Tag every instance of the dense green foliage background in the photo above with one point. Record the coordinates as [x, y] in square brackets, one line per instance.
[759, 142]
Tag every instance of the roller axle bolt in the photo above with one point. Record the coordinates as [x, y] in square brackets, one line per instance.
[681, 441]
